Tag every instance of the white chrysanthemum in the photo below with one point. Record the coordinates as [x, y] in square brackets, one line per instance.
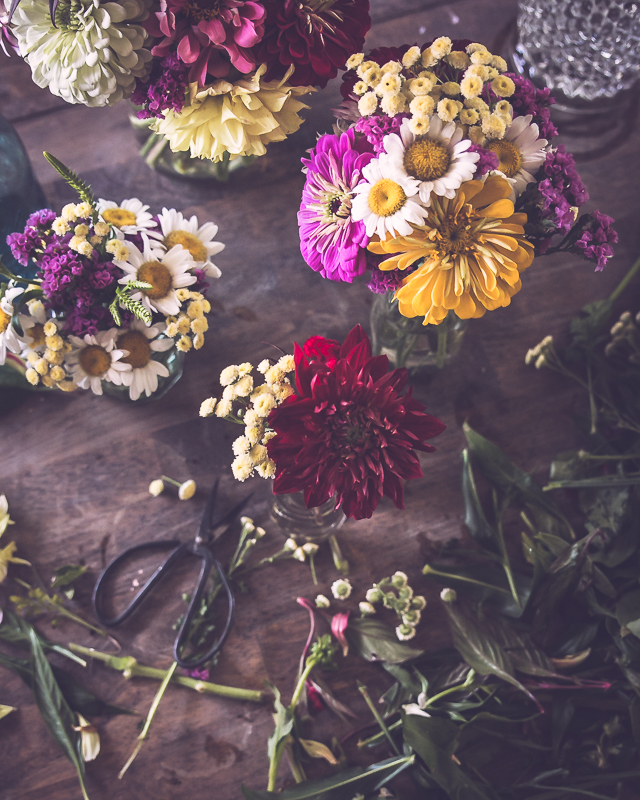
[139, 343]
[166, 272]
[92, 55]
[32, 320]
[383, 200]
[520, 153]
[130, 216]
[94, 359]
[198, 240]
[439, 160]
[9, 339]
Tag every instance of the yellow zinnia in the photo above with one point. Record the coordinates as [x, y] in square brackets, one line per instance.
[237, 118]
[472, 249]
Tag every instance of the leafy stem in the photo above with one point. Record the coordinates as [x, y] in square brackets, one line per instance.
[75, 181]
[123, 298]
[376, 714]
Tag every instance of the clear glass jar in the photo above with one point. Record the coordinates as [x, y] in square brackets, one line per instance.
[422, 349]
[173, 360]
[587, 49]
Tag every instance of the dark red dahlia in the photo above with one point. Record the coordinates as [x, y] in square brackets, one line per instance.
[315, 36]
[348, 431]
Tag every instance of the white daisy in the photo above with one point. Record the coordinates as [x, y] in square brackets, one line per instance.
[9, 339]
[94, 359]
[129, 216]
[440, 159]
[520, 153]
[176, 229]
[166, 272]
[139, 343]
[383, 200]
[32, 324]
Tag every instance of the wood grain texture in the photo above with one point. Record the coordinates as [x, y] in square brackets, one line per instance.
[76, 468]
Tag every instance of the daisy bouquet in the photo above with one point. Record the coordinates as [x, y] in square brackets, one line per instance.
[219, 79]
[329, 421]
[441, 183]
[115, 293]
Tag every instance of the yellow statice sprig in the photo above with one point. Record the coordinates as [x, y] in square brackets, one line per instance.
[191, 324]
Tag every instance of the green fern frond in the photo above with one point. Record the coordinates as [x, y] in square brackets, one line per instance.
[137, 285]
[113, 308]
[83, 189]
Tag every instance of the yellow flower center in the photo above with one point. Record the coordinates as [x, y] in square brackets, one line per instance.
[426, 160]
[137, 345]
[5, 319]
[189, 242]
[119, 217]
[509, 157]
[386, 197]
[94, 360]
[37, 334]
[456, 234]
[158, 276]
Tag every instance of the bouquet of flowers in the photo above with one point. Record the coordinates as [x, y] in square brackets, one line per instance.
[441, 182]
[219, 79]
[341, 428]
[115, 292]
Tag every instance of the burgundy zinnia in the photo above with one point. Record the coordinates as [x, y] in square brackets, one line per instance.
[348, 431]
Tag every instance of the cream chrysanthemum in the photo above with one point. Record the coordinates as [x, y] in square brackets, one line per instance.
[384, 200]
[139, 343]
[92, 55]
[166, 272]
[94, 359]
[9, 339]
[32, 322]
[520, 153]
[439, 160]
[130, 216]
[237, 118]
[198, 240]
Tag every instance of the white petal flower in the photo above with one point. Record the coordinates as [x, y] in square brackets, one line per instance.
[92, 55]
[139, 343]
[383, 200]
[521, 153]
[94, 359]
[198, 240]
[439, 160]
[130, 216]
[9, 339]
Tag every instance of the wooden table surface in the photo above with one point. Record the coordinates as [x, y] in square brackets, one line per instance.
[75, 468]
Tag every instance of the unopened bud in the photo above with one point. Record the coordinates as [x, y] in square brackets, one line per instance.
[448, 595]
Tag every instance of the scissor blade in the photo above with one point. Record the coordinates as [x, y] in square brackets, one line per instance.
[207, 514]
[222, 525]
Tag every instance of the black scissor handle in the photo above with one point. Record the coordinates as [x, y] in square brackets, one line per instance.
[98, 592]
[208, 561]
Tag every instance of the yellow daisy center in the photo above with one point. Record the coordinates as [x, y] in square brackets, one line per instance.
[119, 217]
[386, 197]
[137, 345]
[509, 157]
[189, 242]
[37, 334]
[5, 319]
[426, 160]
[94, 360]
[158, 276]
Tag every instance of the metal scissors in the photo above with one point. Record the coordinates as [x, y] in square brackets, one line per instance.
[197, 548]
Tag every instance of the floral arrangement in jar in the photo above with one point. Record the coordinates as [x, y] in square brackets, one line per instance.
[219, 80]
[442, 184]
[330, 421]
[117, 297]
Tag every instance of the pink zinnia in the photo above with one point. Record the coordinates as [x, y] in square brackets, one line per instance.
[210, 37]
[348, 432]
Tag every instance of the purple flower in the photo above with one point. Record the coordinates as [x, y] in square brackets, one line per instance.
[596, 240]
[166, 88]
[528, 100]
[383, 281]
[41, 219]
[23, 245]
[488, 160]
[375, 128]
[560, 167]
[198, 674]
[331, 242]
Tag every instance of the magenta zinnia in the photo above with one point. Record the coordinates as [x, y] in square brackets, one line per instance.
[348, 432]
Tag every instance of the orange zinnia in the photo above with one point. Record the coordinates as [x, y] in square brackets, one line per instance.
[472, 249]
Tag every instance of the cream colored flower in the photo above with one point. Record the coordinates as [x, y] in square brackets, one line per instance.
[139, 342]
[354, 61]
[197, 239]
[367, 104]
[5, 519]
[156, 487]
[130, 216]
[240, 446]
[393, 104]
[242, 467]
[267, 469]
[89, 738]
[95, 359]
[238, 118]
[224, 408]
[441, 47]
[411, 57]
[186, 490]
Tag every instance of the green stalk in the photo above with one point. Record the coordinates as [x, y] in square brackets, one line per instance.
[442, 344]
[363, 691]
[468, 681]
[378, 736]
[274, 765]
[615, 294]
[131, 669]
[340, 562]
[152, 712]
[428, 570]
[300, 685]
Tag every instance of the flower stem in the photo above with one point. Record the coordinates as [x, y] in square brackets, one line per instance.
[615, 294]
[363, 691]
[312, 567]
[442, 344]
[341, 564]
[428, 570]
[170, 480]
[300, 685]
[132, 669]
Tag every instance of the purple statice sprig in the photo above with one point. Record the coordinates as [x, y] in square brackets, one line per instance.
[528, 99]
[382, 281]
[166, 89]
[594, 243]
[34, 238]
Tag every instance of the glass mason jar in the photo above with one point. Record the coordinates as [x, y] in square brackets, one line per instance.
[585, 49]
[172, 359]
[422, 349]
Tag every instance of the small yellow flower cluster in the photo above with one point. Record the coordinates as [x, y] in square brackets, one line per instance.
[71, 213]
[190, 325]
[256, 403]
[413, 86]
[47, 367]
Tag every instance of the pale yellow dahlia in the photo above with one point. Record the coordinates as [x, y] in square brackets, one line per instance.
[472, 248]
[237, 118]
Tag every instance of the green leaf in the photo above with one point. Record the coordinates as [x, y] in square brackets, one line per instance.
[6, 710]
[342, 786]
[82, 700]
[66, 575]
[17, 630]
[283, 723]
[474, 517]
[54, 709]
[375, 641]
[83, 189]
[435, 740]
